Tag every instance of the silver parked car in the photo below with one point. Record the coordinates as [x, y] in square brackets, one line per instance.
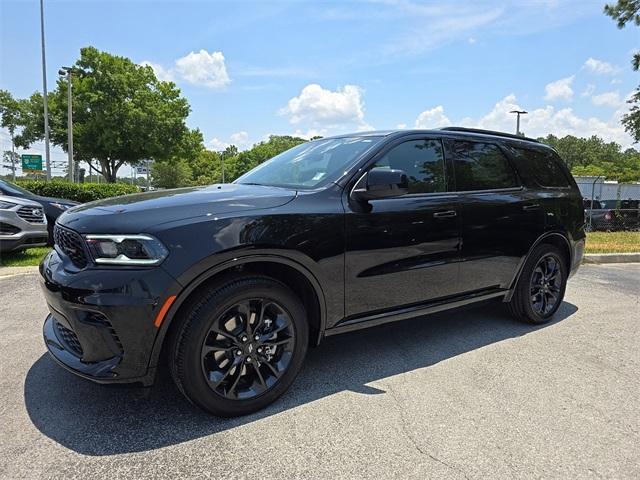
[22, 224]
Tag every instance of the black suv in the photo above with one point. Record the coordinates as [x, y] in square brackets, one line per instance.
[229, 284]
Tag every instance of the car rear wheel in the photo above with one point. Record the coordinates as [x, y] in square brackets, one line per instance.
[239, 345]
[541, 286]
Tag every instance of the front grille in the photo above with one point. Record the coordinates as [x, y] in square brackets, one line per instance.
[31, 214]
[6, 229]
[70, 339]
[71, 244]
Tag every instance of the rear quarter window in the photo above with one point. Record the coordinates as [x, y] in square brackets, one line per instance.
[543, 166]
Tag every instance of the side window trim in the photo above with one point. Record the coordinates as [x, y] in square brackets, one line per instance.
[449, 160]
[448, 174]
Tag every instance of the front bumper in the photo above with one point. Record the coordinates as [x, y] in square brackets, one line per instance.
[101, 321]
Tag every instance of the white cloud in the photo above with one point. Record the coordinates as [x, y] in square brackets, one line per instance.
[588, 91]
[217, 145]
[434, 118]
[546, 120]
[471, 40]
[164, 74]
[600, 67]
[239, 139]
[320, 107]
[607, 99]
[203, 68]
[560, 89]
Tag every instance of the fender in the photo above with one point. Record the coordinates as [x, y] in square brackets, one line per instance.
[220, 267]
[524, 259]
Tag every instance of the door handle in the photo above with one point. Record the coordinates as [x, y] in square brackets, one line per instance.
[445, 214]
[532, 206]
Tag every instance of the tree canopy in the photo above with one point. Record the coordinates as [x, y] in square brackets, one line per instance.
[122, 114]
[593, 156]
[623, 12]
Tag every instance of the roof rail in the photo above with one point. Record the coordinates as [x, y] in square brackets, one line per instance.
[489, 132]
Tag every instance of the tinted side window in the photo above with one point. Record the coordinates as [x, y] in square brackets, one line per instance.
[480, 166]
[422, 161]
[543, 166]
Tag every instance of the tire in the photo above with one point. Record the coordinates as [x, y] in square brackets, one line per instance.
[239, 345]
[527, 303]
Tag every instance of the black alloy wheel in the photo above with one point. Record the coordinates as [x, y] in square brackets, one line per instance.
[248, 348]
[546, 283]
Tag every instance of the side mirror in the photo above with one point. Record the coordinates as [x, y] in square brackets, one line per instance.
[381, 183]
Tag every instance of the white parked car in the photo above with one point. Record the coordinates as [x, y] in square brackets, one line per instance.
[22, 224]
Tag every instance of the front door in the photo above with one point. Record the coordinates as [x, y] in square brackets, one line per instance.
[405, 250]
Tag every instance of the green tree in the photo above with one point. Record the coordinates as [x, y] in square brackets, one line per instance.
[593, 156]
[10, 113]
[623, 12]
[171, 174]
[122, 115]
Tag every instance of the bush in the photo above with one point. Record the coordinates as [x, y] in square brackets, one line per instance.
[80, 192]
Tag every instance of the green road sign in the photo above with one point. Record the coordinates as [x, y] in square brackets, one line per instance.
[32, 163]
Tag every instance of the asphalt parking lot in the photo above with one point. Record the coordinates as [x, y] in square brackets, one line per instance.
[470, 394]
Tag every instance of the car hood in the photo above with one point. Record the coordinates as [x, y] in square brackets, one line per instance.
[138, 212]
[39, 198]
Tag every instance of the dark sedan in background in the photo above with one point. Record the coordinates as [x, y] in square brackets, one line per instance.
[53, 207]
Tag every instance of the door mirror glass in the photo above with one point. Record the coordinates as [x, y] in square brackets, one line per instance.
[381, 182]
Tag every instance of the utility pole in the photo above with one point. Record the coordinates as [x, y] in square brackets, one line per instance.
[44, 95]
[13, 159]
[62, 72]
[518, 113]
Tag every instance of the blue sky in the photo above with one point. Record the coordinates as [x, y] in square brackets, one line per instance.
[250, 69]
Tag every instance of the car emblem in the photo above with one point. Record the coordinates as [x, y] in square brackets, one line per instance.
[35, 211]
[250, 348]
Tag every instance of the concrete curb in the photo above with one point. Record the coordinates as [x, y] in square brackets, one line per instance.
[611, 258]
[10, 271]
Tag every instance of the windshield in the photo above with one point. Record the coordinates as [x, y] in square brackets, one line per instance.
[310, 165]
[13, 188]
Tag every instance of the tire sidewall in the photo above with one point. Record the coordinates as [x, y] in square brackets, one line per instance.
[540, 252]
[199, 321]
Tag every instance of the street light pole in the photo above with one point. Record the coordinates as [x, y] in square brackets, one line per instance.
[44, 95]
[518, 113]
[67, 71]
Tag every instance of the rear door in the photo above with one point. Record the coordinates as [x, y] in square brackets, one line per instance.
[500, 219]
[404, 250]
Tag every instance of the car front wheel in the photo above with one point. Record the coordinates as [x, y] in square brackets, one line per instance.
[239, 345]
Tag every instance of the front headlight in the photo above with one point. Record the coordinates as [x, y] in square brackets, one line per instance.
[126, 249]
[6, 205]
[61, 206]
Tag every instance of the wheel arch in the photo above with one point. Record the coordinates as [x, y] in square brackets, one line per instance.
[290, 272]
[559, 239]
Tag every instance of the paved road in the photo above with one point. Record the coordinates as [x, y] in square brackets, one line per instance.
[470, 394]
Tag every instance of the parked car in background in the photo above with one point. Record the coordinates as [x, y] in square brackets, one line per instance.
[23, 224]
[53, 207]
[612, 215]
[228, 285]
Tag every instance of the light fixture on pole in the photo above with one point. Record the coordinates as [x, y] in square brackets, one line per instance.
[518, 113]
[47, 152]
[66, 71]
